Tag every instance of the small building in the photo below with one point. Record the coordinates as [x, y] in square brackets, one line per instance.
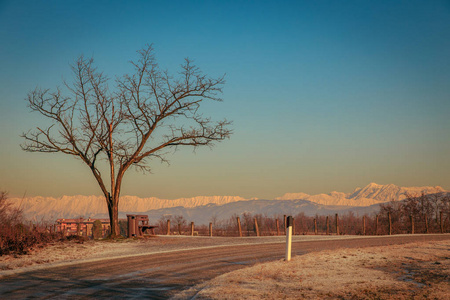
[81, 226]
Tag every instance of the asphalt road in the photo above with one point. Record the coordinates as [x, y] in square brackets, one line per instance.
[158, 276]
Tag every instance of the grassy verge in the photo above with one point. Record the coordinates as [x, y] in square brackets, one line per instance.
[412, 271]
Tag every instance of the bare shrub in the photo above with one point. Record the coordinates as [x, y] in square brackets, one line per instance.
[20, 239]
[9, 215]
[97, 230]
[15, 236]
[180, 222]
[162, 224]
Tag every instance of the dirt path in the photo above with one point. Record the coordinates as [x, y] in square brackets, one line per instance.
[161, 275]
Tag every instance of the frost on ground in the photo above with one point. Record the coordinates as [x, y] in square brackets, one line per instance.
[411, 271]
[54, 253]
[74, 251]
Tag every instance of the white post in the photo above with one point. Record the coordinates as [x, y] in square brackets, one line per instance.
[288, 238]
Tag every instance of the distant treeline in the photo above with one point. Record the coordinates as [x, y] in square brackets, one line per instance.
[416, 214]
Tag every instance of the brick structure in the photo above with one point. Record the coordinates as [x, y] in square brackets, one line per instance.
[81, 226]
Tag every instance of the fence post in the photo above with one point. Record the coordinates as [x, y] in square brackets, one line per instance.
[256, 227]
[78, 228]
[192, 228]
[376, 226]
[239, 226]
[412, 223]
[364, 225]
[390, 223]
[210, 229]
[337, 224]
[278, 227]
[288, 238]
[293, 226]
[441, 221]
[328, 225]
[285, 225]
[88, 230]
[315, 226]
[168, 227]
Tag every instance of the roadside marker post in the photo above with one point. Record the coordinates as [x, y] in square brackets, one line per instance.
[288, 238]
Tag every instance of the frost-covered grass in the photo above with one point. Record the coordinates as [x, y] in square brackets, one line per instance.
[19, 239]
[412, 271]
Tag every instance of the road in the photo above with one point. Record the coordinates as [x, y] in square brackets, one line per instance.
[158, 276]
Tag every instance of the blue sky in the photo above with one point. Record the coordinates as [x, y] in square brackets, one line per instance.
[324, 95]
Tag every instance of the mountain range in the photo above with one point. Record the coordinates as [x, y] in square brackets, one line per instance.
[371, 194]
[201, 209]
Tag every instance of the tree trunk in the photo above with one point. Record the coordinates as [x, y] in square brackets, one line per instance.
[390, 223]
[328, 226]
[113, 211]
[376, 226]
[364, 225]
[293, 226]
[278, 227]
[337, 224]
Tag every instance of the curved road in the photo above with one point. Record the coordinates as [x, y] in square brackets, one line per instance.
[158, 276]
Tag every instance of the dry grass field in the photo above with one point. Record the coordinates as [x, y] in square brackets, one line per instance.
[411, 271]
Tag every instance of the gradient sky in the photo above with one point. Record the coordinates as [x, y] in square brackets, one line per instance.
[324, 95]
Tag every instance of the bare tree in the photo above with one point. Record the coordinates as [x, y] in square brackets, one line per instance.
[214, 220]
[181, 222]
[162, 223]
[247, 219]
[138, 119]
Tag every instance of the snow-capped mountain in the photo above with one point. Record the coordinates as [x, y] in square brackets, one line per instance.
[368, 195]
[48, 208]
